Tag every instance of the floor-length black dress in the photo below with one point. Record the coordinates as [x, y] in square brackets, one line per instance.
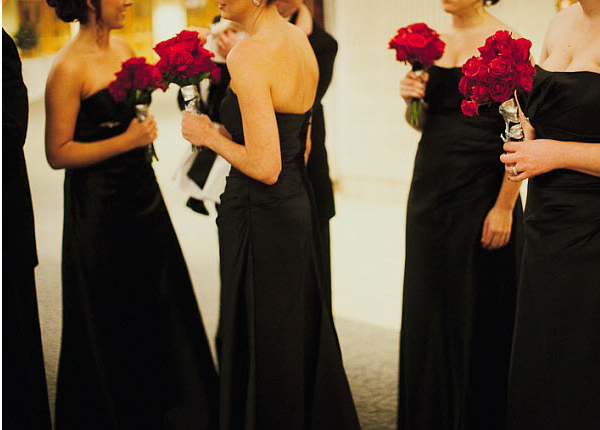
[134, 351]
[555, 367]
[279, 356]
[458, 299]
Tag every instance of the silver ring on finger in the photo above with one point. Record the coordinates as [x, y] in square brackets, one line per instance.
[515, 172]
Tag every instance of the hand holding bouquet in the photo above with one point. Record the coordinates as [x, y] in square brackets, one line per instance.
[419, 46]
[184, 61]
[503, 67]
[134, 84]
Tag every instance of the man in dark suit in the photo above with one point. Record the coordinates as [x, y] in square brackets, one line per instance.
[325, 48]
[25, 397]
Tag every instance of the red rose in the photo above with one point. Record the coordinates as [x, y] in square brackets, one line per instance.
[465, 84]
[163, 48]
[418, 45]
[419, 27]
[488, 52]
[215, 75]
[416, 41]
[524, 82]
[480, 93]
[469, 107]
[500, 67]
[118, 93]
[522, 48]
[179, 58]
[473, 67]
[189, 39]
[140, 81]
[500, 92]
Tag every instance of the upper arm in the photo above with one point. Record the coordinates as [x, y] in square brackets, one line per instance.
[250, 82]
[63, 92]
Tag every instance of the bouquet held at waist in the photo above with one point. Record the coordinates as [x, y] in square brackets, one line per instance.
[420, 46]
[502, 68]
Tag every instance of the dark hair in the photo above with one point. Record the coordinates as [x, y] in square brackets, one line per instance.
[74, 10]
[490, 2]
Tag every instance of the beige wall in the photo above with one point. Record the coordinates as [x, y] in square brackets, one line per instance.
[371, 147]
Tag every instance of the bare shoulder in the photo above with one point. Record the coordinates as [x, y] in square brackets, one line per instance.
[67, 69]
[247, 54]
[496, 25]
[122, 46]
[247, 62]
[564, 22]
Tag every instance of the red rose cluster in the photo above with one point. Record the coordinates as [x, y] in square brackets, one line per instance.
[503, 67]
[184, 61]
[418, 45]
[136, 81]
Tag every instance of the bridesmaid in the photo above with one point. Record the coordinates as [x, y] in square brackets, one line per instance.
[134, 351]
[462, 248]
[279, 355]
[317, 166]
[555, 368]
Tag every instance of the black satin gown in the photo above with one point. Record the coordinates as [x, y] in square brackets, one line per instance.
[134, 351]
[458, 299]
[279, 356]
[555, 368]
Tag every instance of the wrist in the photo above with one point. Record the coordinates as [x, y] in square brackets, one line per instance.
[504, 206]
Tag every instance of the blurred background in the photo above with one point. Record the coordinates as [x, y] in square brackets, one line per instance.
[371, 151]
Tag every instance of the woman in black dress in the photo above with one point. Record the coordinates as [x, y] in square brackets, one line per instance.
[134, 351]
[279, 357]
[555, 368]
[317, 166]
[462, 249]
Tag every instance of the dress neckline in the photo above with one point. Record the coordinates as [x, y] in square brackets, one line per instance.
[537, 66]
[276, 113]
[94, 94]
[447, 68]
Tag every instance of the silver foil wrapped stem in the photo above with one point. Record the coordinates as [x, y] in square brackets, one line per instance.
[513, 129]
[191, 100]
[141, 113]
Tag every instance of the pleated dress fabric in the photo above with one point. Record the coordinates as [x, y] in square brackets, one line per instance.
[458, 298]
[134, 351]
[279, 356]
[555, 368]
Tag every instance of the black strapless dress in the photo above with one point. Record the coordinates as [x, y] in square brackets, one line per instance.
[134, 350]
[555, 367]
[458, 299]
[279, 356]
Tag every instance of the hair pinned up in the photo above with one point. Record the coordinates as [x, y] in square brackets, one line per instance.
[74, 10]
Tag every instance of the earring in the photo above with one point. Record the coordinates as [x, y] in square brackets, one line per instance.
[256, 2]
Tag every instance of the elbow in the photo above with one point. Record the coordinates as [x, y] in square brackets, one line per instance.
[270, 177]
[54, 161]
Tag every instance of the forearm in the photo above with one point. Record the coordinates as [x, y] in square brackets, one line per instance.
[508, 194]
[241, 158]
[578, 156]
[74, 154]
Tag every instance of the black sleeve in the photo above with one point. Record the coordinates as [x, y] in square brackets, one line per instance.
[325, 48]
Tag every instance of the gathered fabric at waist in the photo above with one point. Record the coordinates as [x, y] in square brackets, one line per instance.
[292, 181]
[563, 197]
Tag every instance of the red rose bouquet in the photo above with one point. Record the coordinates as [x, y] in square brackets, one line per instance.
[184, 61]
[419, 46]
[503, 67]
[134, 84]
